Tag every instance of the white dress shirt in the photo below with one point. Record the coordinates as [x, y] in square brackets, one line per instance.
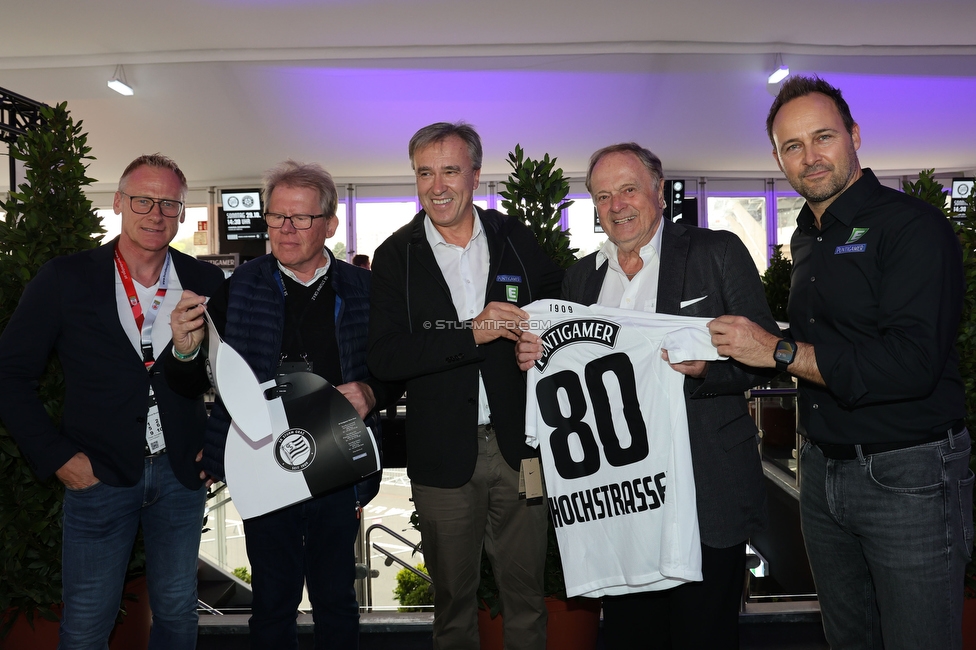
[465, 269]
[638, 293]
[161, 332]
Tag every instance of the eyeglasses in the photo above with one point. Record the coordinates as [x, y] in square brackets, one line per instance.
[298, 221]
[144, 205]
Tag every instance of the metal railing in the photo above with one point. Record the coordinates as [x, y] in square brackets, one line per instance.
[390, 559]
[775, 414]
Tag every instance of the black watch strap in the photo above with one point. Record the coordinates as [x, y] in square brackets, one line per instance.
[784, 354]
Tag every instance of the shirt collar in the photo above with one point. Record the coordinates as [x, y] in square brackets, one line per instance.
[319, 272]
[608, 250]
[846, 206]
[435, 238]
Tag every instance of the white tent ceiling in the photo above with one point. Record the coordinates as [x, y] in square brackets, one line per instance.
[230, 87]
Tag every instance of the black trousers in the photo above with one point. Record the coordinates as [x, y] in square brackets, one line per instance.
[692, 616]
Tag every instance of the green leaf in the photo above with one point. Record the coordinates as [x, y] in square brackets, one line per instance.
[47, 215]
[534, 192]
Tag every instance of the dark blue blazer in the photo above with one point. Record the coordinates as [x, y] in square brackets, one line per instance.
[70, 308]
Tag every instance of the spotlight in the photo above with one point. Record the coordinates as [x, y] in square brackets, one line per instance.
[118, 84]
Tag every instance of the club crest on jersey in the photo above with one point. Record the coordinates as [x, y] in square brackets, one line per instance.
[294, 450]
[586, 330]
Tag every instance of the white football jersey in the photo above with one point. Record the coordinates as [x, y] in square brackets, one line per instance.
[609, 415]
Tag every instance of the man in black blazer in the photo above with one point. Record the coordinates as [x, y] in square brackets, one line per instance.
[445, 298]
[652, 264]
[127, 445]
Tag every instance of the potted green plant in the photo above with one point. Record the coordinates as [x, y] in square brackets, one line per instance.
[930, 190]
[412, 591]
[536, 192]
[776, 283]
[46, 216]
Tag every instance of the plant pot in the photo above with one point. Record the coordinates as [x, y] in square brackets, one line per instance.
[573, 625]
[131, 634]
[969, 624]
[42, 636]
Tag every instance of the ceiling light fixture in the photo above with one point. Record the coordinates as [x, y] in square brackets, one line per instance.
[118, 83]
[782, 71]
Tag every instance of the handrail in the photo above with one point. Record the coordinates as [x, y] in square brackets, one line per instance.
[208, 609]
[757, 395]
[771, 392]
[390, 559]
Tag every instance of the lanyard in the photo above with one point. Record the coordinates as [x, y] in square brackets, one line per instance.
[144, 322]
[301, 318]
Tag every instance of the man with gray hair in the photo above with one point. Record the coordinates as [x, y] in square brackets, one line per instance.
[447, 292]
[126, 446]
[296, 309]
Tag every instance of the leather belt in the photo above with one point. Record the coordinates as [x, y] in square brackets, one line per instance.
[849, 452]
[149, 454]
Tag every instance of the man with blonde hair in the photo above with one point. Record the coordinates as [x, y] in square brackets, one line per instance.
[296, 309]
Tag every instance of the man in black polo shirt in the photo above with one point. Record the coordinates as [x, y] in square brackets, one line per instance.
[885, 486]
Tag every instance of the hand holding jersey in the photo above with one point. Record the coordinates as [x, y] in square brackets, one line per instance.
[293, 438]
[609, 414]
[529, 349]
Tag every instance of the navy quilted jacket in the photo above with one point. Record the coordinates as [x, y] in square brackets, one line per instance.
[253, 326]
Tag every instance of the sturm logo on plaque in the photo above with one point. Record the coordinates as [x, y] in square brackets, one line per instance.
[294, 450]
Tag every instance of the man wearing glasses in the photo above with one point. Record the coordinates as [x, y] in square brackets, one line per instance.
[127, 445]
[297, 309]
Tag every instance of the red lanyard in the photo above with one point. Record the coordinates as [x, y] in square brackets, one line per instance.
[144, 322]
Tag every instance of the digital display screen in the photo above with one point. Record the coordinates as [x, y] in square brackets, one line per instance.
[240, 211]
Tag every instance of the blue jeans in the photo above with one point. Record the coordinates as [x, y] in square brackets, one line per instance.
[888, 536]
[310, 542]
[100, 526]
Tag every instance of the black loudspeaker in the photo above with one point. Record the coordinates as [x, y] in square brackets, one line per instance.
[680, 208]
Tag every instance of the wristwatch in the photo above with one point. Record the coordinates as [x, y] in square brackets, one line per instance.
[784, 354]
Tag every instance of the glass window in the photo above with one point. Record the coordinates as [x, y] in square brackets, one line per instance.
[787, 208]
[337, 243]
[375, 221]
[223, 540]
[746, 217]
[581, 218]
